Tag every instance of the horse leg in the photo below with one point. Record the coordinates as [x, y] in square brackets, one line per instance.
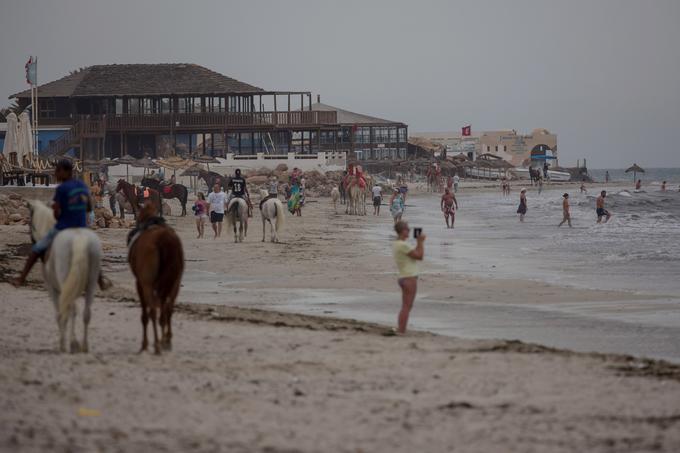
[163, 321]
[145, 317]
[75, 346]
[154, 323]
[264, 221]
[273, 233]
[235, 232]
[89, 298]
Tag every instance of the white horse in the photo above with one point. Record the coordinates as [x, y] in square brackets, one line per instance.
[70, 269]
[335, 196]
[272, 211]
[237, 211]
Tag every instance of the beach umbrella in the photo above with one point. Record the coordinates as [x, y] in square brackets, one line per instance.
[205, 159]
[126, 160]
[174, 163]
[635, 168]
[193, 172]
[11, 146]
[145, 163]
[24, 139]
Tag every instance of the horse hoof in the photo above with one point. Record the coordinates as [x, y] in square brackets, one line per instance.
[75, 347]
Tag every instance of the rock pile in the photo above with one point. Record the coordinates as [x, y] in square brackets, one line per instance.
[13, 210]
[316, 183]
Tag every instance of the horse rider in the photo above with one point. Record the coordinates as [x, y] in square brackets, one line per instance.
[239, 189]
[272, 190]
[71, 203]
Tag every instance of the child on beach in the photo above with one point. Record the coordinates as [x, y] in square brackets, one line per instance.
[397, 205]
[522, 209]
[200, 209]
[407, 262]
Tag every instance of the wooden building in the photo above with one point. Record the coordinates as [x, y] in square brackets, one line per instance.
[364, 137]
[185, 109]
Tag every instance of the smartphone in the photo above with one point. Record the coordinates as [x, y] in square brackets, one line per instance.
[417, 232]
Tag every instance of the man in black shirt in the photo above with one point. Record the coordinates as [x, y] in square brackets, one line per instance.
[239, 189]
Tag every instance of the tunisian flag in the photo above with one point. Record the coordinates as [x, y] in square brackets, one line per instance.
[467, 131]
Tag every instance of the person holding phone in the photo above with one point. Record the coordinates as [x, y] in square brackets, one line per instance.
[407, 259]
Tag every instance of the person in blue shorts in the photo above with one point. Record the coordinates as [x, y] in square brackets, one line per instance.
[71, 203]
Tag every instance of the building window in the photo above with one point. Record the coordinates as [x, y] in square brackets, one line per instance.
[362, 135]
[119, 106]
[496, 148]
[47, 108]
[401, 137]
[165, 105]
[133, 106]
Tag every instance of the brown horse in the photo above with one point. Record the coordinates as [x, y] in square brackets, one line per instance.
[169, 191]
[211, 178]
[136, 197]
[157, 261]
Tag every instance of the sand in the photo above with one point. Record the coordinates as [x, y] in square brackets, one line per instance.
[242, 379]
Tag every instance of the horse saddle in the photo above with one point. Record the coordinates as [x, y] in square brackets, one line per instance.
[142, 227]
[167, 188]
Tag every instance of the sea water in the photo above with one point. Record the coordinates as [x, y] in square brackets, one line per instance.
[637, 250]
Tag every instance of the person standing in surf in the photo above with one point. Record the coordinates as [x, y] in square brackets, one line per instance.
[447, 203]
[522, 209]
[600, 210]
[377, 198]
[566, 215]
[407, 259]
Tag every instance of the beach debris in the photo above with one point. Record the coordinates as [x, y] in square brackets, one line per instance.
[84, 412]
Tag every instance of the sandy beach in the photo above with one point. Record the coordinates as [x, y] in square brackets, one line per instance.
[241, 378]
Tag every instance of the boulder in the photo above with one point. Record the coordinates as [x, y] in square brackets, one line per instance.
[15, 217]
[4, 216]
[14, 196]
[257, 180]
[166, 209]
[281, 168]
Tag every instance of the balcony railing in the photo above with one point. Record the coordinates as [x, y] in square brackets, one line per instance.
[219, 120]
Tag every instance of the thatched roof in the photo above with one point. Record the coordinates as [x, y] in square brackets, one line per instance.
[141, 80]
[636, 168]
[347, 117]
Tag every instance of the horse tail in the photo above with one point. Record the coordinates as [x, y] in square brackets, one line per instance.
[76, 279]
[230, 216]
[171, 259]
[280, 214]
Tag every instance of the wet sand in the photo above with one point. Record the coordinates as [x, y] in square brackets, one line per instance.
[242, 379]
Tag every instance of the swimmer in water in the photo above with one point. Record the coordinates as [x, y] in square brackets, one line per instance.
[600, 210]
[447, 205]
[566, 215]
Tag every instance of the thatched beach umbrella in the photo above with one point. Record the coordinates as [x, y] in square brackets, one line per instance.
[635, 168]
[126, 160]
[174, 163]
[205, 159]
[146, 163]
[193, 172]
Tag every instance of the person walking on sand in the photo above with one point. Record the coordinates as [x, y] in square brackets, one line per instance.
[407, 259]
[447, 203]
[600, 210]
[217, 200]
[200, 209]
[566, 215]
[522, 209]
[377, 199]
[456, 182]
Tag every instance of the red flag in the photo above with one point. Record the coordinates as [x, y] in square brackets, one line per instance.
[467, 131]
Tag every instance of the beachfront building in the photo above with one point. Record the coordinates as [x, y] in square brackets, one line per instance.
[364, 137]
[164, 109]
[521, 150]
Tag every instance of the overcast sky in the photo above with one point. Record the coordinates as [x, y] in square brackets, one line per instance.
[604, 75]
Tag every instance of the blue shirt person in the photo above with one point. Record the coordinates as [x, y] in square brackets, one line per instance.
[71, 203]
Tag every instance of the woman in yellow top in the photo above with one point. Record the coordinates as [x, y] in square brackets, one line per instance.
[407, 262]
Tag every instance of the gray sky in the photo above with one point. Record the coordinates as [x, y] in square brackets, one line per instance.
[604, 75]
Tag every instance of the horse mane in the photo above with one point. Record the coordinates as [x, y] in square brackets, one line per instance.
[42, 219]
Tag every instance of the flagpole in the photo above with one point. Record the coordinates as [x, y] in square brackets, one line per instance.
[35, 112]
